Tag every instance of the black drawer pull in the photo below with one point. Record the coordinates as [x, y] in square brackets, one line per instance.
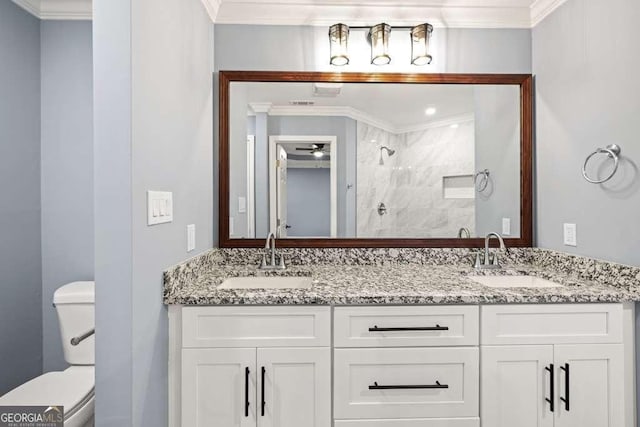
[262, 392]
[551, 397]
[375, 386]
[246, 392]
[417, 328]
[565, 399]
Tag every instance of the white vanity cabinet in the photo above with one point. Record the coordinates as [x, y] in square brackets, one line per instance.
[557, 366]
[254, 367]
[528, 365]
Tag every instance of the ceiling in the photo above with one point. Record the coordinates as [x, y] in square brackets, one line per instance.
[441, 13]
[397, 108]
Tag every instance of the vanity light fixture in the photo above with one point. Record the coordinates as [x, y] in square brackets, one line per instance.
[378, 37]
[338, 39]
[420, 39]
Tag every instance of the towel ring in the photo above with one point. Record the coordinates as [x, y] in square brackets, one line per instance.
[483, 182]
[613, 152]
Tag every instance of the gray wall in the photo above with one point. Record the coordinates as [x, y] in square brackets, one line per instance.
[497, 130]
[308, 202]
[152, 114]
[260, 47]
[587, 97]
[20, 261]
[67, 168]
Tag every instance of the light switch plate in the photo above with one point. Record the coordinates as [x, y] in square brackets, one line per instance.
[191, 237]
[242, 204]
[506, 226]
[570, 235]
[159, 207]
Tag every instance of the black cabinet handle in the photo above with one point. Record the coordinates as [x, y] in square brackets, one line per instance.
[375, 386]
[262, 392]
[551, 398]
[417, 328]
[246, 392]
[565, 399]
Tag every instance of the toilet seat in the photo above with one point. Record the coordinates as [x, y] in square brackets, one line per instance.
[72, 388]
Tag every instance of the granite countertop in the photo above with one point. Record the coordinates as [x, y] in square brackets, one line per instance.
[341, 284]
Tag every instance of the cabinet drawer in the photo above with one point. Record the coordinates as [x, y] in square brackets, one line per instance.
[406, 383]
[409, 326]
[552, 324]
[422, 422]
[256, 327]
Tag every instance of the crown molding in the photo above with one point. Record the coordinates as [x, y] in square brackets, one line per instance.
[260, 107]
[444, 122]
[339, 111]
[328, 12]
[440, 13]
[540, 9]
[360, 116]
[79, 10]
[212, 7]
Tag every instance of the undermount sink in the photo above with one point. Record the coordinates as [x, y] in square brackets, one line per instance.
[514, 282]
[271, 282]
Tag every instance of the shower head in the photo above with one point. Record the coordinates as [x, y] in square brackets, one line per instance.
[390, 152]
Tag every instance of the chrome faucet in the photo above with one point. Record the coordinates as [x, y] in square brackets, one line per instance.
[270, 249]
[489, 262]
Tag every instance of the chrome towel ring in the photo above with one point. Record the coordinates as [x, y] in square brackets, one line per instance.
[484, 181]
[613, 152]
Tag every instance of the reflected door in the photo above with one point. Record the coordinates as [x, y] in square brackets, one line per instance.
[281, 192]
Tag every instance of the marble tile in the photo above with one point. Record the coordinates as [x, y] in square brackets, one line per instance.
[413, 177]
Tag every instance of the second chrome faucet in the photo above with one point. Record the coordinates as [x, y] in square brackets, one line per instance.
[269, 257]
[485, 260]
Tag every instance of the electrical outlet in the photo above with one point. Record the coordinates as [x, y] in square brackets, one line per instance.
[191, 237]
[231, 226]
[506, 226]
[570, 235]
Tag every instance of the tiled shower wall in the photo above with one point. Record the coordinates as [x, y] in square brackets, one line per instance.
[410, 183]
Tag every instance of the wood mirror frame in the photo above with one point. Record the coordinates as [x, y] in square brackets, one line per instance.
[526, 186]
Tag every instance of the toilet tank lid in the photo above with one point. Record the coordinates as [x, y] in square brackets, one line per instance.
[75, 293]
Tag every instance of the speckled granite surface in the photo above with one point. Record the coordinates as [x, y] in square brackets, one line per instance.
[399, 276]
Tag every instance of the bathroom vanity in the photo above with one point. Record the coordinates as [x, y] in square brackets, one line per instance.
[400, 346]
[373, 313]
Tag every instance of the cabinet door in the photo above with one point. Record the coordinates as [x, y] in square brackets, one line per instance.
[515, 384]
[217, 384]
[294, 387]
[594, 385]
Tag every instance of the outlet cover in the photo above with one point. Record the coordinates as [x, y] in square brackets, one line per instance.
[570, 235]
[191, 237]
[506, 226]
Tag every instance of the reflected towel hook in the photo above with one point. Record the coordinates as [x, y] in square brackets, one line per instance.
[613, 152]
[484, 181]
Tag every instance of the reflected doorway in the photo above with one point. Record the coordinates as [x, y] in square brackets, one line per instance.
[303, 186]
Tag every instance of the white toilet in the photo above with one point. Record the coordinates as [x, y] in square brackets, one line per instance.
[72, 388]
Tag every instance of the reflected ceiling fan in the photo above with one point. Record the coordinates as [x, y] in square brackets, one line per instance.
[316, 149]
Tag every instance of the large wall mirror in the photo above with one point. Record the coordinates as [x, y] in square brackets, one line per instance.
[374, 160]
